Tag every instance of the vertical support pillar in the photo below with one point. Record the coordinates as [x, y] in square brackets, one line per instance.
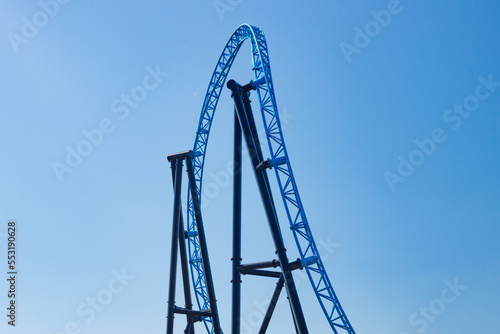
[265, 192]
[236, 259]
[203, 245]
[177, 178]
[184, 259]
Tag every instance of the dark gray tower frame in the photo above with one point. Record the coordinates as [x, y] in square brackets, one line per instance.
[244, 126]
[247, 124]
[178, 242]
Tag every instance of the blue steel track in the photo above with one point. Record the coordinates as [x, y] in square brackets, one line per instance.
[279, 159]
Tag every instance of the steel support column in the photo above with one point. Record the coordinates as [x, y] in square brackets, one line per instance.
[203, 244]
[177, 178]
[236, 259]
[184, 263]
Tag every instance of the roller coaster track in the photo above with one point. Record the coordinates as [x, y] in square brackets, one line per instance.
[309, 254]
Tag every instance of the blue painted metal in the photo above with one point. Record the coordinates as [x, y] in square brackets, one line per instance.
[294, 210]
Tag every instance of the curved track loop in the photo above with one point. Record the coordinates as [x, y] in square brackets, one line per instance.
[293, 205]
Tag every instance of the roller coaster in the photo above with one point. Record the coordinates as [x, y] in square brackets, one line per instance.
[195, 255]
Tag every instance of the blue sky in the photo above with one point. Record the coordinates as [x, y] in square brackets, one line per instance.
[391, 123]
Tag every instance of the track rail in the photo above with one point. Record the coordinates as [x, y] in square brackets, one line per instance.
[279, 159]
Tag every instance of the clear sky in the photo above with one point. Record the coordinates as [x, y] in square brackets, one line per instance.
[391, 118]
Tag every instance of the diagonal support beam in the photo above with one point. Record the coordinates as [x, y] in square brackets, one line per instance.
[203, 244]
[272, 305]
